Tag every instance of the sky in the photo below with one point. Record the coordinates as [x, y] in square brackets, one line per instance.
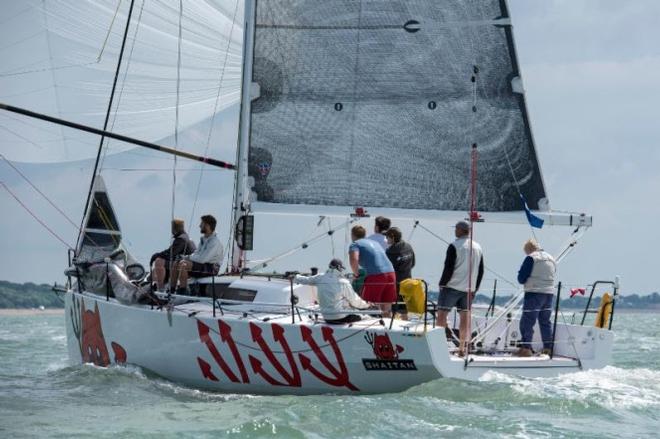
[590, 71]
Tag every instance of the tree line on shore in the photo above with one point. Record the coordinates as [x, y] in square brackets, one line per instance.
[30, 295]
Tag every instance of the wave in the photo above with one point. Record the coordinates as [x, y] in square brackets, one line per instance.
[613, 388]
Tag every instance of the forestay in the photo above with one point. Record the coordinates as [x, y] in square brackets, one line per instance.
[372, 103]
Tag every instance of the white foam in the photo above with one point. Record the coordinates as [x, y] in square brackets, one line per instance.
[611, 387]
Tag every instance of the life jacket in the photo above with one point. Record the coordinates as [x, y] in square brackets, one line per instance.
[542, 278]
[461, 279]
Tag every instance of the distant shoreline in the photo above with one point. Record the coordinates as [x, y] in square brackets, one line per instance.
[32, 312]
[17, 312]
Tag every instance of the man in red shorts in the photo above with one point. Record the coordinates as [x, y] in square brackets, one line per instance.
[380, 282]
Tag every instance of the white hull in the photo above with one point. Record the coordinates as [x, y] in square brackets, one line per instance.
[245, 354]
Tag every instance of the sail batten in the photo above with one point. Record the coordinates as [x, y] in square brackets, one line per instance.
[372, 103]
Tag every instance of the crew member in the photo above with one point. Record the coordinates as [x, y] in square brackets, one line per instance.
[461, 278]
[162, 261]
[381, 226]
[537, 274]
[204, 262]
[380, 282]
[402, 257]
[335, 294]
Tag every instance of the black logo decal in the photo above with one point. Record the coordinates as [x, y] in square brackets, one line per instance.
[411, 26]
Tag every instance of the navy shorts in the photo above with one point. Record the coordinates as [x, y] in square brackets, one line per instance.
[203, 270]
[450, 298]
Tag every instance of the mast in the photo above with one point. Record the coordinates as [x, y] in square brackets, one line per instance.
[241, 205]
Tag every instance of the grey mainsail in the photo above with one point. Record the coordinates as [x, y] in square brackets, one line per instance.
[372, 103]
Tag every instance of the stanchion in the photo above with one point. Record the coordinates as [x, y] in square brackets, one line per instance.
[554, 325]
[107, 281]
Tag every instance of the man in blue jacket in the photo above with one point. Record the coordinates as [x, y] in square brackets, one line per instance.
[537, 274]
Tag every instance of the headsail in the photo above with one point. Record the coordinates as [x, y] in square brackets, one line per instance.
[59, 58]
[101, 234]
[363, 103]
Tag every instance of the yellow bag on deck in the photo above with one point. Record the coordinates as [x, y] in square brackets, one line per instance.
[604, 311]
[412, 291]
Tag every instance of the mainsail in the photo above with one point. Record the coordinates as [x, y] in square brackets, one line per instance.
[377, 103]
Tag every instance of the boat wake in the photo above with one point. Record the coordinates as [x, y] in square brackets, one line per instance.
[612, 388]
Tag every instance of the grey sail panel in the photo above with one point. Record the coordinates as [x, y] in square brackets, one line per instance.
[370, 103]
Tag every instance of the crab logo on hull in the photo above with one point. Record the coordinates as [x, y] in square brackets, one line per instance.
[387, 354]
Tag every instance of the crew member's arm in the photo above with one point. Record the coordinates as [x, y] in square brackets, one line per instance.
[480, 274]
[178, 246]
[354, 260]
[450, 262]
[525, 270]
[391, 257]
[306, 280]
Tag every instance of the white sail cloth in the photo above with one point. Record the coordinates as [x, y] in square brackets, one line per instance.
[59, 58]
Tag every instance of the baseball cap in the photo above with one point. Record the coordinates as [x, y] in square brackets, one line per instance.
[337, 264]
[463, 225]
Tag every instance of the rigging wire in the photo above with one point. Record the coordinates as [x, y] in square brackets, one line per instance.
[20, 136]
[45, 69]
[303, 246]
[123, 81]
[213, 115]
[515, 180]
[107, 118]
[107, 35]
[39, 192]
[332, 237]
[493, 272]
[27, 209]
[176, 117]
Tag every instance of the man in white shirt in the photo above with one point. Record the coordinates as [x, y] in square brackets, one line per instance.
[204, 262]
[461, 278]
[381, 226]
[335, 294]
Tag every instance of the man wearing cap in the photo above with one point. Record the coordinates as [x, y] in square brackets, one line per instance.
[161, 261]
[380, 282]
[537, 274]
[461, 277]
[335, 294]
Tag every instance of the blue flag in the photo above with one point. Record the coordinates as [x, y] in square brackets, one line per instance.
[533, 220]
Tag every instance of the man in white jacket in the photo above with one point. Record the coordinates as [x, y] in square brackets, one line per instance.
[335, 293]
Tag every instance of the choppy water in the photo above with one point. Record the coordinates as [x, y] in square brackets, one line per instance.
[40, 395]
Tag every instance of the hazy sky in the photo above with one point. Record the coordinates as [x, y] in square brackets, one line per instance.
[591, 71]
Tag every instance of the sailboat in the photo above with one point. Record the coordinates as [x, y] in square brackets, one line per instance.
[331, 93]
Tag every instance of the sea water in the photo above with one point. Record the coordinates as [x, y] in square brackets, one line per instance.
[41, 395]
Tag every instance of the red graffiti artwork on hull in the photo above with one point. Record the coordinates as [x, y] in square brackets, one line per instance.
[287, 369]
[89, 332]
[92, 342]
